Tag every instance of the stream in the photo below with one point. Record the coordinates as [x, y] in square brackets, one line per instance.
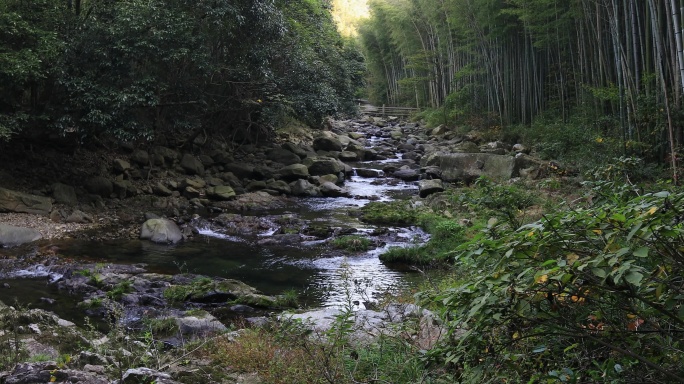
[321, 276]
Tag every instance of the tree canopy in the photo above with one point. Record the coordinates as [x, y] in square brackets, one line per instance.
[140, 69]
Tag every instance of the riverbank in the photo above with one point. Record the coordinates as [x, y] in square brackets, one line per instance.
[254, 203]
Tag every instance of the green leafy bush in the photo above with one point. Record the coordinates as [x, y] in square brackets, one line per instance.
[585, 295]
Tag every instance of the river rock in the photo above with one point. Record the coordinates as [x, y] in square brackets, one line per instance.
[241, 170]
[121, 165]
[329, 178]
[161, 231]
[192, 165]
[145, 375]
[160, 190]
[296, 149]
[100, 186]
[47, 372]
[200, 325]
[440, 130]
[11, 236]
[519, 148]
[191, 193]
[196, 183]
[467, 147]
[140, 157]
[220, 156]
[358, 149]
[293, 172]
[323, 166]
[167, 155]
[428, 187]
[13, 201]
[124, 188]
[64, 194]
[348, 156]
[469, 166]
[282, 156]
[331, 190]
[302, 187]
[407, 174]
[280, 186]
[221, 192]
[327, 141]
[284, 239]
[79, 217]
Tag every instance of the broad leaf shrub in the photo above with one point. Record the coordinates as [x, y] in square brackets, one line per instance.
[586, 295]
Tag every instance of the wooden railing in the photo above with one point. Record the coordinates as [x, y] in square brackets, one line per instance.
[384, 111]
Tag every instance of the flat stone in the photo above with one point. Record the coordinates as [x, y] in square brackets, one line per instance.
[12, 236]
[13, 201]
[221, 192]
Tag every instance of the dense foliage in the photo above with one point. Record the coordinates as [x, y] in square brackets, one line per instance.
[151, 68]
[615, 67]
[591, 293]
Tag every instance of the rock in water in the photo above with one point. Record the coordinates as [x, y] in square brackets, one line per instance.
[11, 236]
[161, 231]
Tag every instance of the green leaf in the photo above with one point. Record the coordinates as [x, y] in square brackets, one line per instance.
[619, 217]
[634, 277]
[641, 252]
[599, 272]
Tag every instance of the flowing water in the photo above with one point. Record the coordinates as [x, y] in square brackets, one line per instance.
[321, 277]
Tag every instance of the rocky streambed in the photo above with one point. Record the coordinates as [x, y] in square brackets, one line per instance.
[241, 227]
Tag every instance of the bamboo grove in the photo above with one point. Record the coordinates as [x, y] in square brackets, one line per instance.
[612, 60]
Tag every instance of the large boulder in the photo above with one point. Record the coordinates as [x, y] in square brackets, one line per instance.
[319, 166]
[161, 231]
[294, 172]
[331, 190]
[13, 201]
[327, 141]
[469, 166]
[11, 236]
[407, 174]
[241, 170]
[283, 156]
[192, 165]
[296, 149]
[166, 155]
[302, 187]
